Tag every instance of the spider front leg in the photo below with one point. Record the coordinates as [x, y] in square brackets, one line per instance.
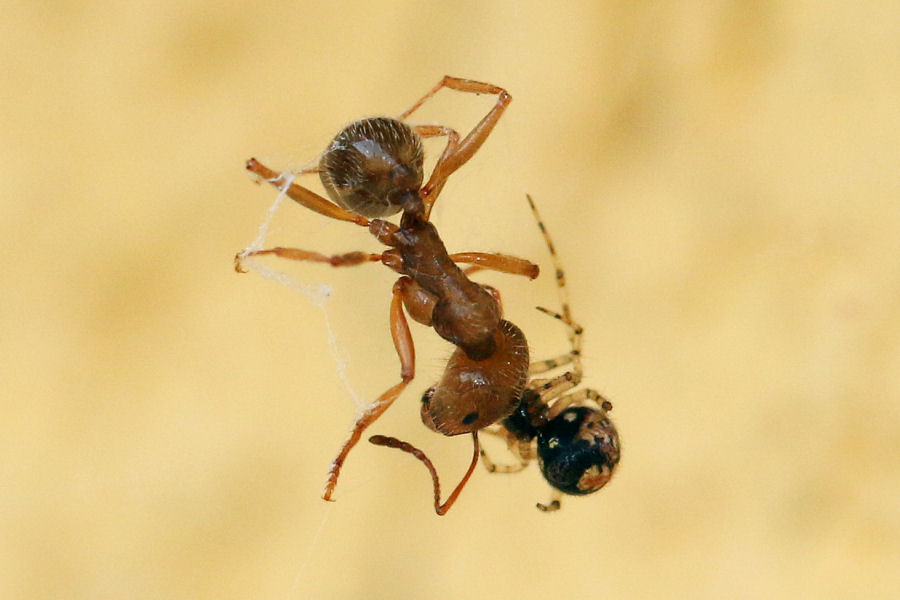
[580, 398]
[575, 330]
[573, 356]
[403, 344]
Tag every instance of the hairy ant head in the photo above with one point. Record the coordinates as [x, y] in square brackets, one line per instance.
[578, 450]
[373, 167]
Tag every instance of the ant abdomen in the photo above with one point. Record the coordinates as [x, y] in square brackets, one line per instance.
[373, 166]
[476, 393]
[578, 450]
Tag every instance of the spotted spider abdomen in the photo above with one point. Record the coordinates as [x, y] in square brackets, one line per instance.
[578, 450]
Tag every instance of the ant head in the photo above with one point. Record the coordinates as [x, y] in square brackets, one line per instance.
[373, 167]
[578, 450]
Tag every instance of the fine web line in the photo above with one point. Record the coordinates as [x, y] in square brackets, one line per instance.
[318, 293]
[300, 577]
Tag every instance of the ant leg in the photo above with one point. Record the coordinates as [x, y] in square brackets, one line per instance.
[403, 344]
[457, 157]
[427, 131]
[313, 168]
[504, 263]
[440, 509]
[301, 195]
[554, 503]
[419, 303]
[348, 259]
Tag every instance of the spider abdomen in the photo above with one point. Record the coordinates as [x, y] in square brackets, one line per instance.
[578, 450]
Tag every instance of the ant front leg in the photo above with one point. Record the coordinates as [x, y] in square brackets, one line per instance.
[348, 259]
[454, 158]
[303, 196]
[427, 131]
[403, 344]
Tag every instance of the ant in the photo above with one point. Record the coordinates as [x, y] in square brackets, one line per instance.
[571, 435]
[373, 168]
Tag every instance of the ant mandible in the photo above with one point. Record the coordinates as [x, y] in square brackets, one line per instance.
[373, 168]
[571, 435]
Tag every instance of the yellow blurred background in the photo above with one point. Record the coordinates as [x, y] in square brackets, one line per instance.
[721, 180]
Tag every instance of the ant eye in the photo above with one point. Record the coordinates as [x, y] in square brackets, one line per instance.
[372, 166]
[578, 450]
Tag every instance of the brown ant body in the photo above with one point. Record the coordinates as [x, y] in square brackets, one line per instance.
[373, 168]
[570, 434]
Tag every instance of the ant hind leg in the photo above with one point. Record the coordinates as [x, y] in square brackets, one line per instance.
[403, 344]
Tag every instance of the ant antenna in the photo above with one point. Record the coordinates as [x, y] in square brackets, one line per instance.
[440, 509]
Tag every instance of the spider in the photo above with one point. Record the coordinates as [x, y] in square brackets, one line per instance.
[570, 434]
[373, 168]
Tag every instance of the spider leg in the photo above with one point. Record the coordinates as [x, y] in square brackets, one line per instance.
[548, 364]
[579, 398]
[406, 352]
[573, 357]
[554, 387]
[554, 503]
[493, 467]
[560, 274]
